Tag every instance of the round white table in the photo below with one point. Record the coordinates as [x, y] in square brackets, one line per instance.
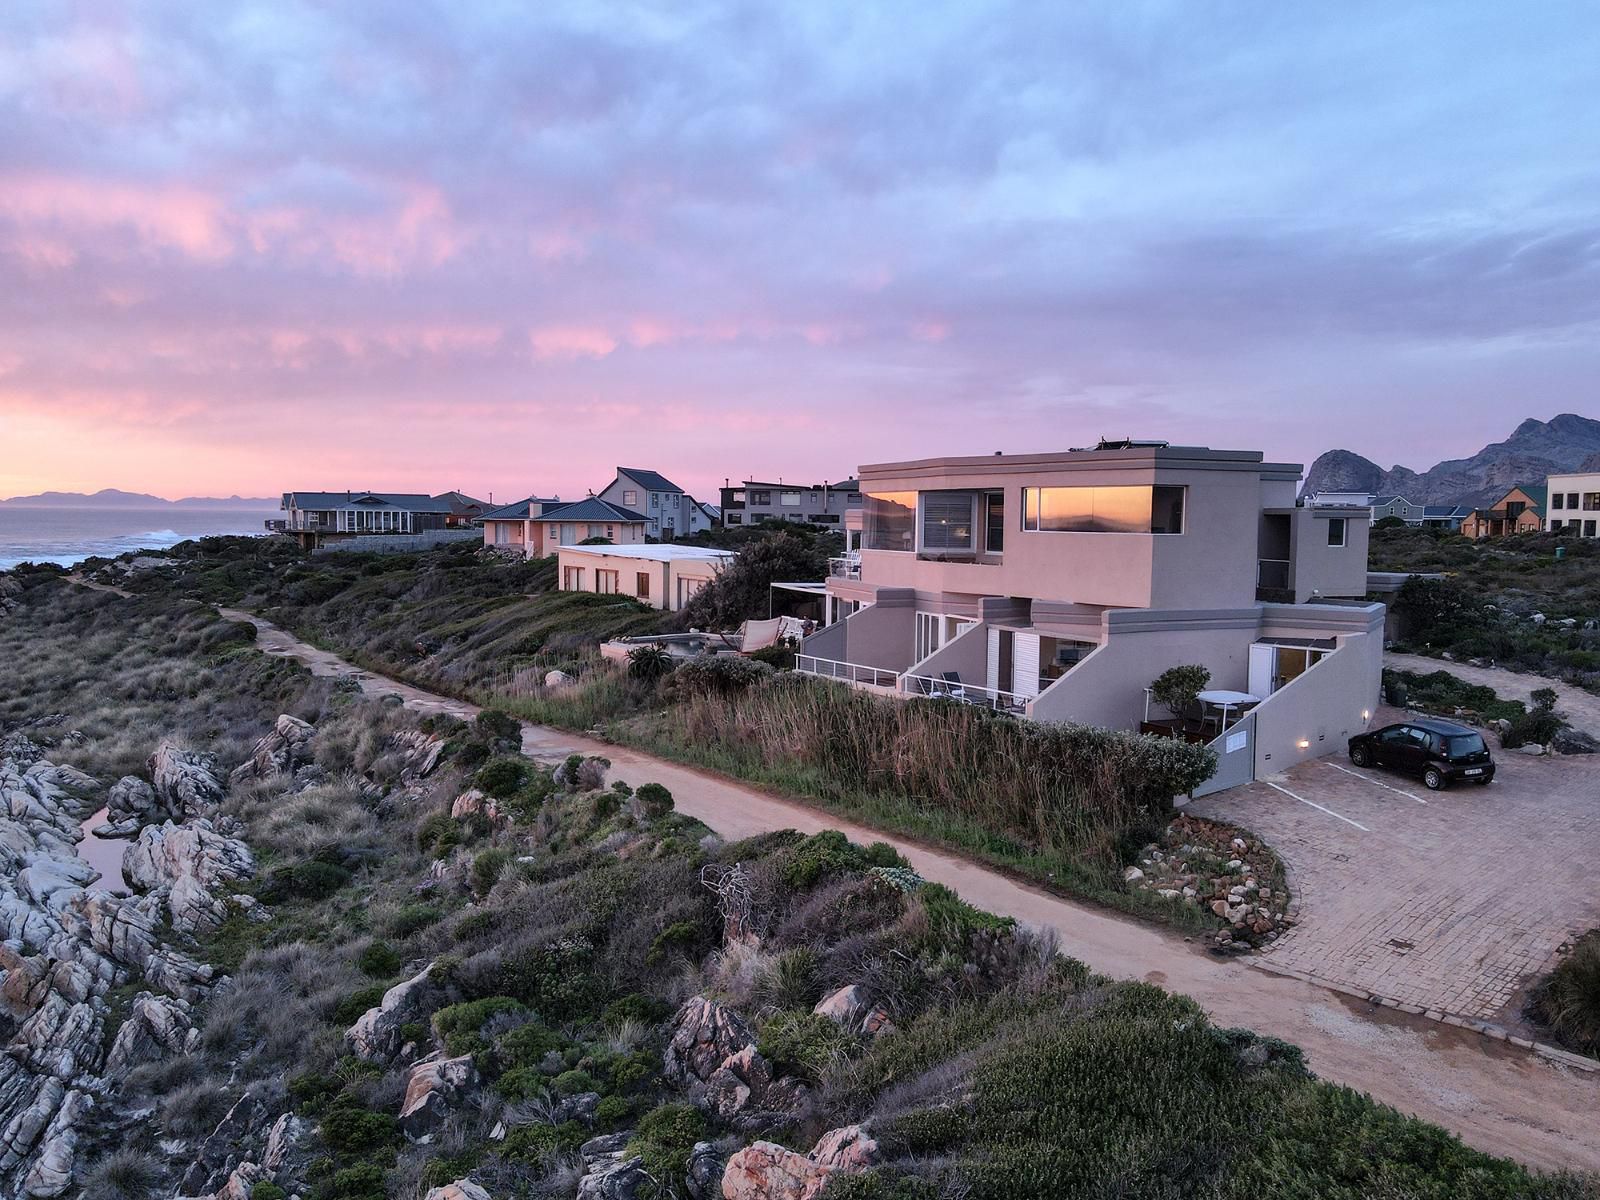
[1226, 700]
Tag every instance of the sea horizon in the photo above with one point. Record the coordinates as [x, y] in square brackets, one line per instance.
[66, 536]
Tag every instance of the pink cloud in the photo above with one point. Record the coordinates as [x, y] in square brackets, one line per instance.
[172, 217]
[570, 341]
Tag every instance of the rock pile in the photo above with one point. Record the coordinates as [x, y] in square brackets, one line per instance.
[187, 865]
[768, 1171]
[712, 1056]
[281, 752]
[1221, 869]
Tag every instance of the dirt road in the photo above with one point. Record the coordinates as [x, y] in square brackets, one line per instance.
[1495, 1096]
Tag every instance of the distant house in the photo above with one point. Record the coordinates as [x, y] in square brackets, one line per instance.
[464, 510]
[318, 519]
[704, 516]
[1396, 506]
[662, 576]
[754, 501]
[1574, 503]
[669, 510]
[1443, 516]
[536, 528]
[1520, 510]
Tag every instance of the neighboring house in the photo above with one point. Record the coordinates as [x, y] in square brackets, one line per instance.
[1443, 516]
[669, 511]
[536, 528]
[1378, 506]
[1058, 586]
[704, 516]
[327, 518]
[1574, 503]
[753, 501]
[1520, 510]
[464, 510]
[661, 575]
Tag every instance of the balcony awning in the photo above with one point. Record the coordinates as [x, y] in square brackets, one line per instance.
[808, 589]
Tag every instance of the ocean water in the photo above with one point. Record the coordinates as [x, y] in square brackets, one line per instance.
[70, 535]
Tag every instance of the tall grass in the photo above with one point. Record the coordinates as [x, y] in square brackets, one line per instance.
[1568, 999]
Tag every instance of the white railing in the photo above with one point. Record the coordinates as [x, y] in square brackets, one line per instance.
[848, 672]
[848, 567]
[937, 688]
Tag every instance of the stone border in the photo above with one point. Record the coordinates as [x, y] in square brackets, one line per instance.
[1499, 1033]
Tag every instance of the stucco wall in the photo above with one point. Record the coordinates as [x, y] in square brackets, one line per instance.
[881, 636]
[1322, 707]
[1323, 570]
[1107, 686]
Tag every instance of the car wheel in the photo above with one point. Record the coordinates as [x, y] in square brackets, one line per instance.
[1481, 782]
[1360, 756]
[1434, 778]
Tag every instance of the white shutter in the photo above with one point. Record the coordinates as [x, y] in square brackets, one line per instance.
[993, 680]
[1025, 664]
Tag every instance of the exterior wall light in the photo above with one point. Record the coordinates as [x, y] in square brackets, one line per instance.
[1366, 714]
[1304, 744]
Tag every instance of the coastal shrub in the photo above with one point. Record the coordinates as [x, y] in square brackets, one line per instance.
[535, 1142]
[789, 980]
[350, 1129]
[459, 1025]
[665, 1139]
[654, 800]
[364, 1181]
[1004, 787]
[1544, 699]
[779, 658]
[379, 960]
[805, 1044]
[501, 777]
[411, 918]
[193, 1110]
[350, 1008]
[880, 1185]
[123, 1174]
[573, 1083]
[830, 853]
[487, 868]
[1534, 728]
[267, 1190]
[1567, 1000]
[721, 675]
[497, 725]
[1177, 688]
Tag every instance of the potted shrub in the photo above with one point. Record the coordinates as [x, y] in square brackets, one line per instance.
[1177, 689]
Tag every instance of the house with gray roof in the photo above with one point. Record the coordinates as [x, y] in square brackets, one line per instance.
[535, 527]
[669, 511]
[318, 519]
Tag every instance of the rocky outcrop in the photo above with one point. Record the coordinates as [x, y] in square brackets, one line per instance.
[51, 1173]
[768, 1171]
[712, 1056]
[851, 1008]
[280, 752]
[156, 1027]
[188, 864]
[130, 804]
[461, 1189]
[473, 803]
[220, 1155]
[703, 1178]
[186, 782]
[609, 1173]
[419, 752]
[376, 1033]
[433, 1088]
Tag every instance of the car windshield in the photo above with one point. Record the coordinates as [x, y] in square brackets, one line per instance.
[1464, 744]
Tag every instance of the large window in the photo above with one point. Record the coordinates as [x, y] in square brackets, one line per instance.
[1103, 509]
[994, 522]
[789, 499]
[947, 522]
[1558, 500]
[1336, 531]
[891, 521]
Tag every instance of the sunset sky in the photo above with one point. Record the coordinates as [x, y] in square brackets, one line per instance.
[504, 247]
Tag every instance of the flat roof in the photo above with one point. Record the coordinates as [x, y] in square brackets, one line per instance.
[1155, 456]
[662, 552]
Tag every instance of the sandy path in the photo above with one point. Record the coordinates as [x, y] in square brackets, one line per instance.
[1496, 1096]
[1581, 708]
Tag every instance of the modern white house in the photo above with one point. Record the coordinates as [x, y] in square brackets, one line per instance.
[1574, 503]
[1058, 586]
[661, 575]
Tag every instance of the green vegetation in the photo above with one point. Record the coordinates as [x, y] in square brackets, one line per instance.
[1177, 689]
[1485, 607]
[1448, 695]
[1567, 1001]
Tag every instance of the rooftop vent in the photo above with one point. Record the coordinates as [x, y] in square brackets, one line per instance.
[1122, 444]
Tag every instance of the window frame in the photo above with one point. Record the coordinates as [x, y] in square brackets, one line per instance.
[1032, 508]
[1342, 525]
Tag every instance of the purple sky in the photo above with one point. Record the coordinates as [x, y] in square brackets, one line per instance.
[505, 247]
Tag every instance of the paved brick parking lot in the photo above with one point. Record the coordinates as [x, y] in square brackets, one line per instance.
[1452, 901]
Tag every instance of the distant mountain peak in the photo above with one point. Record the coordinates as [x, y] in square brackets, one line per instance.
[1566, 442]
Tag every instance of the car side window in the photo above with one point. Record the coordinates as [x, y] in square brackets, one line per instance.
[1393, 736]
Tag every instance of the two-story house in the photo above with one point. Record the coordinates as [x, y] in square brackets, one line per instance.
[535, 528]
[754, 501]
[669, 510]
[1057, 586]
[1574, 503]
[1520, 510]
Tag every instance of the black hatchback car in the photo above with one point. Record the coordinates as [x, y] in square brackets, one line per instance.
[1441, 752]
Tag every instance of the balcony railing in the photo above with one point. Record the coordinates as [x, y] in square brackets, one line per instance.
[847, 567]
[940, 688]
[847, 672]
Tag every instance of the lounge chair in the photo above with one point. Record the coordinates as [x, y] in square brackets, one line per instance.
[948, 687]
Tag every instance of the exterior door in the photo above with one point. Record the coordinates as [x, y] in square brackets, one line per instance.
[927, 636]
[1263, 667]
[1025, 664]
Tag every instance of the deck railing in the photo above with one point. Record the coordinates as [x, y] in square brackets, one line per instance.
[847, 672]
[937, 688]
[847, 567]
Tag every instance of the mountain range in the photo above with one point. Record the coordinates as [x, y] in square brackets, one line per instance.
[1534, 449]
[113, 498]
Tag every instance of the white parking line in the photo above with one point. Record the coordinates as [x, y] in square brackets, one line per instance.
[1377, 783]
[1317, 806]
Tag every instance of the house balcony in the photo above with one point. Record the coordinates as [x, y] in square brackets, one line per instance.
[1275, 581]
[948, 685]
[878, 679]
[846, 567]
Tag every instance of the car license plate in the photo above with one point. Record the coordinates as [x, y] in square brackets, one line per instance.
[1475, 771]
